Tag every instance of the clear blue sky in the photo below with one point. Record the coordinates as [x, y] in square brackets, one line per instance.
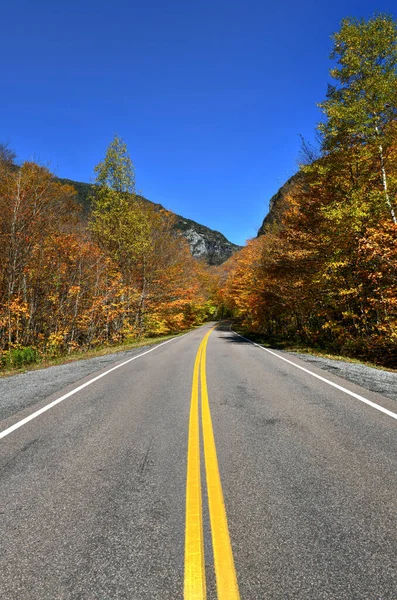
[210, 96]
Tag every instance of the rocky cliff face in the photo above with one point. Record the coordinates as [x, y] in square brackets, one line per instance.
[205, 243]
[277, 203]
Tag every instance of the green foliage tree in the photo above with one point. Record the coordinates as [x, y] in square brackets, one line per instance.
[361, 107]
[116, 172]
[364, 96]
[117, 221]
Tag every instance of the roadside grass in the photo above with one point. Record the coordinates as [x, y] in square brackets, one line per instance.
[43, 362]
[300, 348]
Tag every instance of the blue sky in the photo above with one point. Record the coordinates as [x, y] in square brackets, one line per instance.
[210, 96]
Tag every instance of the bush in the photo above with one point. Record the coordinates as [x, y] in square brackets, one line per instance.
[20, 356]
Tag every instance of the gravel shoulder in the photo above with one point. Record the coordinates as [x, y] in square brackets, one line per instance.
[20, 391]
[380, 381]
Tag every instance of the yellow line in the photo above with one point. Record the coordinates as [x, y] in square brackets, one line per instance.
[226, 579]
[194, 588]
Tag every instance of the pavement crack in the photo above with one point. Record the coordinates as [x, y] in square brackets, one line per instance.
[145, 461]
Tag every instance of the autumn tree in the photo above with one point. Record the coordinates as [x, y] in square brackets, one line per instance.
[31, 205]
[65, 286]
[324, 270]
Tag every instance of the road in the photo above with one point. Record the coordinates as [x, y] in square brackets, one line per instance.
[97, 500]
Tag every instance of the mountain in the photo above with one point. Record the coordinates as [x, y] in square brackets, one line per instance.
[277, 203]
[204, 242]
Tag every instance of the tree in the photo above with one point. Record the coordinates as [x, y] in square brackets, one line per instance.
[116, 220]
[325, 272]
[157, 270]
[62, 290]
[32, 206]
[116, 172]
[7, 155]
[361, 107]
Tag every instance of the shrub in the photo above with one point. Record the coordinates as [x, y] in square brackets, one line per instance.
[20, 356]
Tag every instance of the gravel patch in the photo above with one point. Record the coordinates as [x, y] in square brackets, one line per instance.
[380, 381]
[17, 392]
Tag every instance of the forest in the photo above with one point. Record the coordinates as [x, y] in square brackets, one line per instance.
[324, 274]
[68, 283]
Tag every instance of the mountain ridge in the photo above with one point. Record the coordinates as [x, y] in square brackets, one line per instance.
[204, 242]
[277, 204]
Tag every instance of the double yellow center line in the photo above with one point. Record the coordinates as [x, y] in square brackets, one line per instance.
[226, 580]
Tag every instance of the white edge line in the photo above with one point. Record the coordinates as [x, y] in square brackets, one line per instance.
[12, 428]
[335, 385]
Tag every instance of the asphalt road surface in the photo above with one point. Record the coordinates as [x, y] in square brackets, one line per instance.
[98, 499]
